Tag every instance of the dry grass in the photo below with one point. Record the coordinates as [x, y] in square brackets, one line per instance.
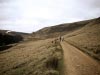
[32, 58]
[87, 39]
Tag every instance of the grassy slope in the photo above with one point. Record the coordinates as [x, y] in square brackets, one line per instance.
[31, 58]
[62, 29]
[87, 38]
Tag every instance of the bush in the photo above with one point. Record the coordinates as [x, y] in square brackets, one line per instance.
[52, 63]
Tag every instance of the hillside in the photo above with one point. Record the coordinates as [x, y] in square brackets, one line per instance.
[32, 58]
[58, 30]
[9, 37]
[84, 35]
[87, 38]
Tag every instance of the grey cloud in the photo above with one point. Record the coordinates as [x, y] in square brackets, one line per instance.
[4, 1]
[59, 11]
[96, 4]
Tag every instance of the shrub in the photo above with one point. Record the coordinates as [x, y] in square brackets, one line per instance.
[52, 63]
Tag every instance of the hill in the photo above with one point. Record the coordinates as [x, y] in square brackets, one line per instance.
[87, 38]
[9, 37]
[84, 35]
[58, 30]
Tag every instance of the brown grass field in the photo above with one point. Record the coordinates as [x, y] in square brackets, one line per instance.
[32, 58]
[87, 39]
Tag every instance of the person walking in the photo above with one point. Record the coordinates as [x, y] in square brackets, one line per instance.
[60, 38]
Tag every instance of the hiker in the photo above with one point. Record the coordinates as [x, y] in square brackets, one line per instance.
[60, 38]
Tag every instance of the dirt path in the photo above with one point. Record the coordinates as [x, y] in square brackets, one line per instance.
[78, 63]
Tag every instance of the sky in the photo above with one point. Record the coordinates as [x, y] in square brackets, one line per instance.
[31, 15]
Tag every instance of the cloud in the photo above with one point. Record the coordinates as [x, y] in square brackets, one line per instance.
[3, 1]
[22, 15]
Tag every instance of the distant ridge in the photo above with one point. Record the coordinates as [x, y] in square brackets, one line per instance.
[62, 29]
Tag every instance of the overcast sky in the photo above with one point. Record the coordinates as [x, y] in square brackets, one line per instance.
[31, 15]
